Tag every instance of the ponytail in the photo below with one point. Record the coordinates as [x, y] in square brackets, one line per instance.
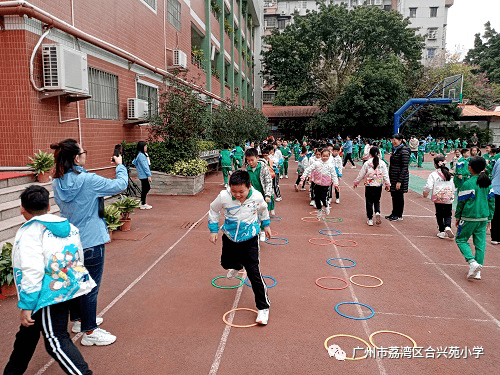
[483, 180]
[374, 154]
[440, 163]
[64, 155]
[478, 164]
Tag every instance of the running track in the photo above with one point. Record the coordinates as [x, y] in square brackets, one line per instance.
[157, 298]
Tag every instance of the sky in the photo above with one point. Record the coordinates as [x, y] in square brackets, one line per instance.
[466, 18]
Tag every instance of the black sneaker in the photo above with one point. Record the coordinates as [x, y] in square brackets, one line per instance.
[391, 217]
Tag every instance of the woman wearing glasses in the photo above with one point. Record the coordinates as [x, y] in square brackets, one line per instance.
[79, 195]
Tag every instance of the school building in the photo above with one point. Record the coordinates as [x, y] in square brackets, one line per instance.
[93, 70]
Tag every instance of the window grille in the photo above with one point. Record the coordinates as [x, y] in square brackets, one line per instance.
[103, 88]
[413, 12]
[150, 94]
[434, 11]
[151, 4]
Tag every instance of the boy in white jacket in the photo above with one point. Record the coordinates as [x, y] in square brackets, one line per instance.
[376, 175]
[338, 164]
[47, 258]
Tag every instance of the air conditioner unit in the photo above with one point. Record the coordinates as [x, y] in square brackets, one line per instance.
[180, 59]
[137, 109]
[65, 69]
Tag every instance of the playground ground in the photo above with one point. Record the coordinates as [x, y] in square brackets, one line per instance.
[157, 297]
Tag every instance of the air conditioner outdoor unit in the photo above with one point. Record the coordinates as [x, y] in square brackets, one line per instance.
[180, 59]
[65, 69]
[137, 109]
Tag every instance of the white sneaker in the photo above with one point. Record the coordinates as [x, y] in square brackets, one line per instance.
[272, 213]
[449, 232]
[231, 274]
[281, 177]
[225, 185]
[312, 203]
[303, 189]
[353, 167]
[327, 210]
[99, 337]
[337, 200]
[262, 317]
[77, 325]
[478, 276]
[474, 268]
[296, 187]
[145, 207]
[369, 222]
[494, 242]
[319, 214]
[286, 176]
[279, 199]
[262, 236]
[441, 235]
[378, 219]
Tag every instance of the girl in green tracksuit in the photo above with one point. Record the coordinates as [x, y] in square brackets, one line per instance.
[475, 208]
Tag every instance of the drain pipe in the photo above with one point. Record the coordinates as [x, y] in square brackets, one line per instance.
[31, 63]
[21, 8]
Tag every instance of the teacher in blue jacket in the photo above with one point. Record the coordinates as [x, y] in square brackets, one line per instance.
[141, 163]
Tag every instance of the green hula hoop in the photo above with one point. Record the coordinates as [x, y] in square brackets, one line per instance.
[227, 287]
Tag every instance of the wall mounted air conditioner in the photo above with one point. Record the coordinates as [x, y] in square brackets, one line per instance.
[65, 69]
[137, 109]
[180, 59]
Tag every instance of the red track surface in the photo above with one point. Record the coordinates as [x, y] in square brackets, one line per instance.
[170, 320]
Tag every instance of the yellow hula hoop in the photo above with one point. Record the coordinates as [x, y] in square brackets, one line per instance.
[393, 332]
[235, 325]
[354, 337]
[366, 286]
[310, 219]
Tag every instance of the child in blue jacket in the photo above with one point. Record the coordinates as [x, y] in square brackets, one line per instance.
[141, 163]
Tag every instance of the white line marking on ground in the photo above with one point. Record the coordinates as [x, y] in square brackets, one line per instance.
[112, 303]
[467, 295]
[223, 340]
[418, 216]
[434, 317]
[428, 209]
[458, 265]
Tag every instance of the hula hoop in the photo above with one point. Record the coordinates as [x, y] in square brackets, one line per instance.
[275, 218]
[227, 287]
[354, 243]
[310, 219]
[235, 325]
[313, 212]
[331, 219]
[354, 337]
[285, 241]
[264, 277]
[329, 242]
[367, 286]
[274, 233]
[331, 277]
[337, 266]
[393, 332]
[354, 317]
[330, 232]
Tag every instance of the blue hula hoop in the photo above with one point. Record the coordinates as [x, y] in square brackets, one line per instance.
[275, 218]
[353, 317]
[276, 238]
[330, 232]
[338, 266]
[264, 277]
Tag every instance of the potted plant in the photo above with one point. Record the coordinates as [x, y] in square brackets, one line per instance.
[126, 205]
[42, 163]
[112, 217]
[7, 286]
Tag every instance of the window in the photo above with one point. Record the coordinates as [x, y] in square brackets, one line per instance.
[271, 22]
[432, 33]
[103, 88]
[387, 7]
[281, 24]
[304, 4]
[150, 3]
[413, 12]
[174, 13]
[149, 93]
[434, 11]
[268, 96]
[431, 52]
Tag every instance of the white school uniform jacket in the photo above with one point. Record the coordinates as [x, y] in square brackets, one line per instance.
[374, 176]
[321, 173]
[442, 191]
[337, 163]
[241, 220]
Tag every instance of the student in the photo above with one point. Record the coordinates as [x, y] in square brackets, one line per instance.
[475, 208]
[337, 163]
[440, 186]
[366, 150]
[316, 156]
[237, 155]
[375, 175]
[453, 163]
[275, 161]
[420, 154]
[303, 164]
[272, 170]
[244, 210]
[226, 163]
[462, 169]
[474, 151]
[285, 152]
[323, 175]
[47, 258]
[348, 149]
[143, 172]
[260, 178]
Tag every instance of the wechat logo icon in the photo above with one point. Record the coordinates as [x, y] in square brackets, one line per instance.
[335, 351]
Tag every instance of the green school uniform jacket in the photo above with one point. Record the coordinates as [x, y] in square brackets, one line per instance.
[475, 203]
[285, 151]
[225, 158]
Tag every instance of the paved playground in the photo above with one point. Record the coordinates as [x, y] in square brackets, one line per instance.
[157, 297]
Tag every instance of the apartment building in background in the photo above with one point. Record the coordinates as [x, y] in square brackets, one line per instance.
[428, 18]
[92, 70]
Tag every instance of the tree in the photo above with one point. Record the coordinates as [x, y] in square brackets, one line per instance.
[486, 53]
[321, 52]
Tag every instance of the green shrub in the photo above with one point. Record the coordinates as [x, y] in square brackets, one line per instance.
[42, 162]
[192, 167]
[112, 217]
[6, 271]
[206, 145]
